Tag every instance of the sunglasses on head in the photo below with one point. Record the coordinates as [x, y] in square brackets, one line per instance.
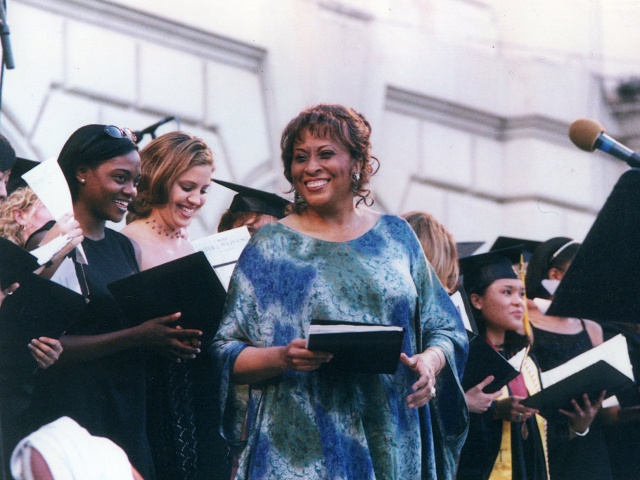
[117, 132]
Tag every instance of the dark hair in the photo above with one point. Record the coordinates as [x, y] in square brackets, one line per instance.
[90, 146]
[341, 124]
[7, 155]
[554, 253]
[513, 341]
[162, 162]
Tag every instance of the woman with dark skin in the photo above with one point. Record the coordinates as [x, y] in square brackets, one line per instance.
[99, 380]
[335, 258]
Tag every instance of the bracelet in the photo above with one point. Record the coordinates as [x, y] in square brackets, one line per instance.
[583, 434]
[440, 360]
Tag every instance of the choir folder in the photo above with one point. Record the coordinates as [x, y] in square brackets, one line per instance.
[39, 308]
[605, 367]
[187, 285]
[357, 347]
[484, 360]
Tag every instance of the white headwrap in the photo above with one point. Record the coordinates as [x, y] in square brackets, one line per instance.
[71, 453]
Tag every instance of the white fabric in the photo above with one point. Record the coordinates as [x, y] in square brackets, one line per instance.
[71, 454]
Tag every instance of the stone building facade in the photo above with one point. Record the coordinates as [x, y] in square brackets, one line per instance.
[470, 100]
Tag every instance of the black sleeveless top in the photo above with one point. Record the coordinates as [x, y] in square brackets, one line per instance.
[582, 457]
[552, 349]
[105, 395]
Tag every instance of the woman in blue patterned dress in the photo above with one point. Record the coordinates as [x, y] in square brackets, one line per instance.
[333, 258]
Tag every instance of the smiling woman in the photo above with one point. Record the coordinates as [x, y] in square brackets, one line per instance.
[176, 176]
[334, 258]
[100, 377]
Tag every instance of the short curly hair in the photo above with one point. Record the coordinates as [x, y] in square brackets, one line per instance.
[21, 199]
[341, 124]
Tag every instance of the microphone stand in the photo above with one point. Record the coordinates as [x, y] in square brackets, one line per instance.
[7, 53]
[151, 129]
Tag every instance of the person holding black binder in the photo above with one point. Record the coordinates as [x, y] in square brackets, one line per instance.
[504, 435]
[577, 447]
[176, 171]
[99, 380]
[336, 259]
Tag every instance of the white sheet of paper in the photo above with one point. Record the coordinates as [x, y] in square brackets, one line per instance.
[456, 298]
[223, 250]
[49, 184]
[613, 351]
[66, 276]
[48, 250]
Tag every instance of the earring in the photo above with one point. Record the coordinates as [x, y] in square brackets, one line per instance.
[355, 182]
[82, 180]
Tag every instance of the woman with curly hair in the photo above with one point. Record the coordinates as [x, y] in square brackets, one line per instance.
[21, 215]
[334, 258]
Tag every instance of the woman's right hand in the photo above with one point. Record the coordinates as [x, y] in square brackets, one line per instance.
[179, 343]
[296, 356]
[67, 225]
[477, 400]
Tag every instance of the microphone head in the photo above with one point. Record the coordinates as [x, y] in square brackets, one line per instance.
[584, 132]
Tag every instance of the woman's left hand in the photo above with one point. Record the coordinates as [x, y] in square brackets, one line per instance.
[45, 351]
[425, 388]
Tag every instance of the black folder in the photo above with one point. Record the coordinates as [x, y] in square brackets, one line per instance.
[591, 380]
[483, 361]
[374, 351]
[187, 285]
[39, 308]
[15, 262]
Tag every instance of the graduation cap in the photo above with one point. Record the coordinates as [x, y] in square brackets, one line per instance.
[466, 249]
[252, 200]
[480, 271]
[603, 280]
[528, 246]
[21, 167]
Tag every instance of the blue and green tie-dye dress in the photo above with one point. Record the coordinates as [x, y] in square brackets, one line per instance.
[351, 426]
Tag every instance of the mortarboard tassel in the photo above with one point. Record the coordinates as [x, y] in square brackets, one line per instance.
[525, 320]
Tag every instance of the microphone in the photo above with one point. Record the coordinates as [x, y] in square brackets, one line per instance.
[588, 135]
[152, 128]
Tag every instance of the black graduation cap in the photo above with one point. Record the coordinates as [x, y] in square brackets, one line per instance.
[21, 167]
[252, 200]
[480, 271]
[466, 249]
[603, 281]
[528, 246]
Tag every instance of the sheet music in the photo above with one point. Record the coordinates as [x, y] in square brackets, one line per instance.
[49, 184]
[223, 250]
[613, 351]
[456, 298]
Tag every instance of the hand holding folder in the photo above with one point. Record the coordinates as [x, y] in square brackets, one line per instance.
[187, 285]
[605, 367]
[359, 348]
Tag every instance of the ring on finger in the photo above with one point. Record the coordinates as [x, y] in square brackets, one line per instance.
[432, 392]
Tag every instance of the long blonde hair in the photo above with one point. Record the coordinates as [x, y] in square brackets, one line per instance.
[439, 247]
[21, 199]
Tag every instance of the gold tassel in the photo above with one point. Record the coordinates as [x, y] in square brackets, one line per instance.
[525, 320]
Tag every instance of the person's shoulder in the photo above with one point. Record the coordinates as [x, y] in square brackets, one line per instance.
[595, 332]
